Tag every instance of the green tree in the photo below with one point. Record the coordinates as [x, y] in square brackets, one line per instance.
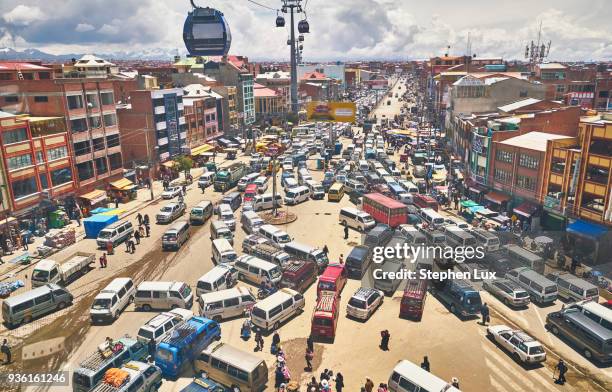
[184, 164]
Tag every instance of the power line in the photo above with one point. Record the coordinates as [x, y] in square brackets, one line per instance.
[262, 5]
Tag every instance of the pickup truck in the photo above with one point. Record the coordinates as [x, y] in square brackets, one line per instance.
[170, 212]
[51, 271]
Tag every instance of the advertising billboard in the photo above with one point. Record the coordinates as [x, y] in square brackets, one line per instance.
[331, 111]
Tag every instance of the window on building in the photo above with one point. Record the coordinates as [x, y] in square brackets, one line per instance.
[5, 76]
[98, 144]
[110, 120]
[39, 157]
[526, 182]
[41, 98]
[107, 98]
[523, 94]
[503, 175]
[94, 122]
[24, 187]
[557, 165]
[560, 88]
[115, 161]
[528, 161]
[44, 183]
[14, 136]
[598, 174]
[112, 141]
[101, 165]
[19, 161]
[61, 176]
[92, 101]
[78, 125]
[82, 148]
[11, 99]
[504, 156]
[57, 153]
[44, 75]
[75, 102]
[28, 76]
[85, 170]
[592, 202]
[604, 94]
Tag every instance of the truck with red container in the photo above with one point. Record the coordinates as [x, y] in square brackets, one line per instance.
[385, 209]
[413, 299]
[325, 316]
[424, 201]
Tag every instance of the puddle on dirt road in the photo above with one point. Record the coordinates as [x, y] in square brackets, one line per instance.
[74, 324]
[294, 352]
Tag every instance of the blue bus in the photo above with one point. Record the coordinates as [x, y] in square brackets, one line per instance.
[184, 344]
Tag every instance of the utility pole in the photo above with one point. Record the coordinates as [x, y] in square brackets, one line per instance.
[291, 7]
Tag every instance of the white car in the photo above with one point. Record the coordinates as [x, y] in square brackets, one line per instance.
[171, 192]
[364, 302]
[262, 184]
[521, 346]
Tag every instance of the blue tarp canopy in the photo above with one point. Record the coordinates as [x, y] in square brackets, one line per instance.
[100, 210]
[586, 229]
[95, 223]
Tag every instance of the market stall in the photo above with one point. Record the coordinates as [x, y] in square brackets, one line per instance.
[123, 189]
[94, 199]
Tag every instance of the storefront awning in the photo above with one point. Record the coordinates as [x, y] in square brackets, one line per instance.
[586, 229]
[476, 188]
[496, 197]
[468, 203]
[201, 149]
[526, 209]
[95, 197]
[123, 185]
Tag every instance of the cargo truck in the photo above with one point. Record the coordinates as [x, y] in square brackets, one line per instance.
[228, 177]
[51, 271]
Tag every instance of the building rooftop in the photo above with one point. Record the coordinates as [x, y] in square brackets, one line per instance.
[89, 60]
[6, 114]
[551, 66]
[21, 66]
[518, 104]
[314, 76]
[274, 75]
[533, 140]
[262, 91]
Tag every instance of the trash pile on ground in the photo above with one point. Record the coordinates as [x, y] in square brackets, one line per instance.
[6, 288]
[60, 239]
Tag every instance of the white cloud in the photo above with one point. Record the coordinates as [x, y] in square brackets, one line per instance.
[83, 27]
[109, 29]
[22, 15]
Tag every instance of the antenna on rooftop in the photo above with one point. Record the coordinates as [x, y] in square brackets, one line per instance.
[538, 51]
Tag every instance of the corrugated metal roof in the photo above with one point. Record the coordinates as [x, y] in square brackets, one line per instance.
[518, 104]
[533, 140]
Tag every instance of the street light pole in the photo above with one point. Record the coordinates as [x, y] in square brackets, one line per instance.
[292, 6]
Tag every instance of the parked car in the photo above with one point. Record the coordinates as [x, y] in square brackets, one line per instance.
[364, 302]
[171, 192]
[170, 212]
[521, 346]
[511, 293]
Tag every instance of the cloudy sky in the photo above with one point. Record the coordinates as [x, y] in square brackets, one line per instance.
[340, 29]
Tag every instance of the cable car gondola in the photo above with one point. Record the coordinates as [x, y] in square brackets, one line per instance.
[303, 26]
[280, 21]
[206, 32]
[301, 38]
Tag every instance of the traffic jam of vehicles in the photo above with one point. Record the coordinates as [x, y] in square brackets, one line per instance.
[394, 189]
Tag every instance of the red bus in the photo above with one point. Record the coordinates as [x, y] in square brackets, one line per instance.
[332, 279]
[413, 300]
[424, 201]
[385, 209]
[325, 316]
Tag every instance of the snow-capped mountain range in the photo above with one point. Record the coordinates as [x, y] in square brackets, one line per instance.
[35, 54]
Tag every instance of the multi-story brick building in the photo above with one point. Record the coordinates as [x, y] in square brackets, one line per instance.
[82, 93]
[203, 115]
[36, 163]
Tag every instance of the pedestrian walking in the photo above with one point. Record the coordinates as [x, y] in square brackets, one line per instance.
[574, 264]
[148, 230]
[561, 367]
[325, 250]
[325, 386]
[103, 260]
[275, 343]
[145, 219]
[341, 258]
[184, 190]
[6, 350]
[109, 247]
[24, 241]
[384, 339]
[310, 343]
[128, 246]
[139, 217]
[141, 230]
[77, 216]
[339, 382]
[346, 231]
[308, 356]
[324, 375]
[259, 341]
[152, 346]
[484, 311]
[425, 363]
[116, 202]
[132, 246]
[137, 237]
[455, 382]
[313, 385]
[369, 385]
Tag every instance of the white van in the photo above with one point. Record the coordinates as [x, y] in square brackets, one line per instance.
[541, 289]
[269, 313]
[274, 234]
[251, 221]
[160, 325]
[176, 235]
[490, 241]
[226, 215]
[412, 234]
[201, 212]
[246, 180]
[409, 186]
[220, 277]
[363, 165]
[24, 307]
[357, 219]
[264, 202]
[219, 229]
[317, 192]
[163, 295]
[262, 184]
[289, 183]
[115, 233]
[256, 270]
[223, 252]
[112, 300]
[303, 176]
[430, 216]
[408, 377]
[225, 304]
[297, 195]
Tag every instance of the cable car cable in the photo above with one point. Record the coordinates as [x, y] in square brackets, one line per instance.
[256, 3]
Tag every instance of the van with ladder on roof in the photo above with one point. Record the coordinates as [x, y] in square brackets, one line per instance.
[413, 299]
[232, 366]
[181, 347]
[91, 370]
[324, 321]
